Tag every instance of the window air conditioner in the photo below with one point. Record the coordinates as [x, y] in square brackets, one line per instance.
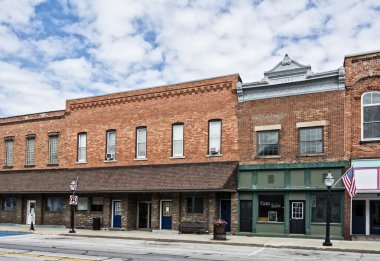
[110, 156]
[214, 151]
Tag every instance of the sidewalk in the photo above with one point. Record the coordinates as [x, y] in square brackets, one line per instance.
[295, 243]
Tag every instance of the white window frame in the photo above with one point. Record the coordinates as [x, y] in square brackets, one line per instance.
[178, 139]
[111, 149]
[53, 149]
[30, 151]
[140, 131]
[82, 150]
[300, 141]
[9, 152]
[362, 116]
[218, 147]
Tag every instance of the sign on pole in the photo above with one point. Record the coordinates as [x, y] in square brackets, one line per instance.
[73, 200]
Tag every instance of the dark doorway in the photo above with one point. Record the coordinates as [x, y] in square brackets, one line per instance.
[225, 212]
[144, 210]
[297, 217]
[358, 217]
[245, 215]
[375, 217]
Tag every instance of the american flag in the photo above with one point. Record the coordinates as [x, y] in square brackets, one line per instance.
[349, 182]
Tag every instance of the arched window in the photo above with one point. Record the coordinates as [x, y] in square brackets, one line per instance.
[371, 116]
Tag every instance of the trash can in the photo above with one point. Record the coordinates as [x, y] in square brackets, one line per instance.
[96, 223]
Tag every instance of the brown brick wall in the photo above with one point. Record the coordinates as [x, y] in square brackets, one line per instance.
[362, 75]
[287, 111]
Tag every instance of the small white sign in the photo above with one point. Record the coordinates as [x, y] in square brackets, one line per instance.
[73, 200]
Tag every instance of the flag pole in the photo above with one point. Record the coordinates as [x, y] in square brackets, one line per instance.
[342, 176]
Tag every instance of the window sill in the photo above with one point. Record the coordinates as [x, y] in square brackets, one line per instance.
[368, 141]
[268, 157]
[29, 166]
[81, 162]
[137, 159]
[214, 155]
[312, 155]
[7, 167]
[110, 161]
[177, 157]
[52, 165]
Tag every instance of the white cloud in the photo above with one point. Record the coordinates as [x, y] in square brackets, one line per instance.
[119, 45]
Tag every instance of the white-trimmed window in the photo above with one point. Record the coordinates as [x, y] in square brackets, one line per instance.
[267, 143]
[9, 151]
[177, 140]
[82, 146]
[111, 145]
[141, 143]
[53, 148]
[311, 140]
[30, 144]
[214, 137]
[371, 116]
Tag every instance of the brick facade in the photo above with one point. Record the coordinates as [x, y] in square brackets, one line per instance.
[192, 103]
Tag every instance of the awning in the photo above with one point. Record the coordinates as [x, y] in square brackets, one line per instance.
[218, 176]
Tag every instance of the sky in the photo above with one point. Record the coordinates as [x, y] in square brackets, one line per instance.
[54, 50]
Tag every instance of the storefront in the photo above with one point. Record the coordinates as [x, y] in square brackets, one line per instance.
[365, 214]
[289, 199]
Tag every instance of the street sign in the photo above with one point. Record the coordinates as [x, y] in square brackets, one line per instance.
[73, 200]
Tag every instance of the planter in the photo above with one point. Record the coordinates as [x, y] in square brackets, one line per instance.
[219, 232]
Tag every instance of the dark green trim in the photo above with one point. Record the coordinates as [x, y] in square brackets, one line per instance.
[307, 176]
[335, 164]
[286, 213]
[308, 214]
[254, 179]
[287, 180]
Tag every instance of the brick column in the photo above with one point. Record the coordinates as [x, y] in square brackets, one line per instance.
[107, 211]
[347, 216]
[234, 213]
[175, 211]
[212, 208]
[19, 212]
[155, 215]
[124, 211]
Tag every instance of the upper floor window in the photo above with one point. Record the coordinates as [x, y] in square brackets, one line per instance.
[82, 144]
[371, 116]
[214, 137]
[30, 142]
[9, 151]
[311, 140]
[111, 145]
[178, 140]
[141, 143]
[267, 143]
[53, 148]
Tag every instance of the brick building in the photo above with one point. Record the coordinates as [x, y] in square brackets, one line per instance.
[290, 135]
[362, 143]
[145, 159]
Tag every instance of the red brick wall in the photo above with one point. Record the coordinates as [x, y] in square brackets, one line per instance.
[39, 124]
[288, 111]
[362, 75]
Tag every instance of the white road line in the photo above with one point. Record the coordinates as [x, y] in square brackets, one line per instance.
[256, 252]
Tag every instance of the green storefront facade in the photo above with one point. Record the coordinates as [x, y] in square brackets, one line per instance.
[289, 199]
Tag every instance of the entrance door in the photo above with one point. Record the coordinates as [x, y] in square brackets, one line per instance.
[144, 210]
[245, 215]
[30, 212]
[116, 213]
[358, 217]
[166, 215]
[225, 212]
[297, 217]
[374, 217]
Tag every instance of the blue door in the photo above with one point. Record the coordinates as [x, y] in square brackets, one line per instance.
[225, 212]
[116, 214]
[358, 217]
[166, 215]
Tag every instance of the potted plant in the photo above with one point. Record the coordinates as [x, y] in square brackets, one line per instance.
[220, 229]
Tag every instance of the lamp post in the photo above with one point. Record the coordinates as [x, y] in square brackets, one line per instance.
[73, 188]
[329, 181]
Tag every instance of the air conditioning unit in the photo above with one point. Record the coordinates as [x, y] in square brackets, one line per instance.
[214, 151]
[110, 156]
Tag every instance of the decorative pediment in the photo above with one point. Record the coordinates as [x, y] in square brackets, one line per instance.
[287, 68]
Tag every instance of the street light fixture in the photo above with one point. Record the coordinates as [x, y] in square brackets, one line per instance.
[329, 181]
[73, 188]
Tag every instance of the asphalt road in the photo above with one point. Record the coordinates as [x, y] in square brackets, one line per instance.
[38, 247]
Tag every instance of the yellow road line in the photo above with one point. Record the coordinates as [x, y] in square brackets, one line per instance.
[43, 256]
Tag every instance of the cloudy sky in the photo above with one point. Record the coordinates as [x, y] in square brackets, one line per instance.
[55, 50]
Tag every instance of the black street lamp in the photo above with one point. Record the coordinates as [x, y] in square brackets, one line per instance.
[329, 181]
[73, 188]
